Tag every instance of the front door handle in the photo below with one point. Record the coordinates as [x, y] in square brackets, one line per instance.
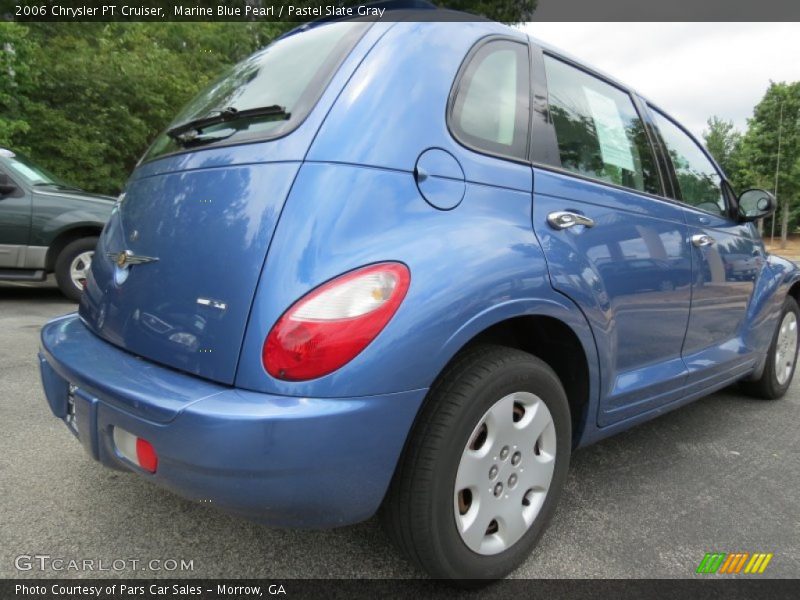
[701, 240]
[563, 219]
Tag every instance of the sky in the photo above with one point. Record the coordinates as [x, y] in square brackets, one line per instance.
[690, 70]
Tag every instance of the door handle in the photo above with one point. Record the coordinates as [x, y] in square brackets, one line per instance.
[701, 240]
[564, 219]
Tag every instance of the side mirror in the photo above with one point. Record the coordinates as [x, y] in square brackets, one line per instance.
[6, 186]
[756, 204]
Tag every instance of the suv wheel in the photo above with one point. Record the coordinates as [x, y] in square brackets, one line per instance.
[483, 467]
[781, 358]
[72, 266]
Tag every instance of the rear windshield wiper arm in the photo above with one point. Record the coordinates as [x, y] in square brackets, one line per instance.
[179, 132]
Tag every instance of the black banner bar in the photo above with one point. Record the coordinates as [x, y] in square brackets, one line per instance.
[416, 10]
[710, 587]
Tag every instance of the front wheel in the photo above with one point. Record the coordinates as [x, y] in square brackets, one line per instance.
[781, 357]
[72, 267]
[483, 468]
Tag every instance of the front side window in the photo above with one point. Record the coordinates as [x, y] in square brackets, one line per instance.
[699, 182]
[288, 76]
[491, 105]
[599, 132]
[29, 172]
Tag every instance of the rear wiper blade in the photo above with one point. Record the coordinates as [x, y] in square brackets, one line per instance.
[195, 128]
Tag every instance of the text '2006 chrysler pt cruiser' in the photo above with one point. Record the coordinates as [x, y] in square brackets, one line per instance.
[410, 266]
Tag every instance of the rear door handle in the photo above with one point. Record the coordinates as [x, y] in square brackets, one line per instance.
[564, 219]
[701, 240]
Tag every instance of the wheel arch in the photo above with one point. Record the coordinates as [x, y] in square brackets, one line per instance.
[556, 333]
[65, 238]
[794, 291]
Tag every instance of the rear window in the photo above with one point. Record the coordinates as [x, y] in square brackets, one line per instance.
[291, 73]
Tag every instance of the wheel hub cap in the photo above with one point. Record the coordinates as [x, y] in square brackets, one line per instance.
[79, 268]
[786, 348]
[505, 472]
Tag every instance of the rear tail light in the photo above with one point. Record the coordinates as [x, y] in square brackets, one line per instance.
[332, 324]
[137, 450]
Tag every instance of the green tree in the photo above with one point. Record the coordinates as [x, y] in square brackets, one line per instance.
[84, 100]
[505, 11]
[770, 150]
[15, 49]
[94, 95]
[724, 143]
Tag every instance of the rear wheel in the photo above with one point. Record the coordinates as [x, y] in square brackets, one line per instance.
[72, 266]
[781, 357]
[483, 468]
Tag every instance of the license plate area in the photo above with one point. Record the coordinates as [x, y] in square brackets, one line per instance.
[70, 419]
[81, 418]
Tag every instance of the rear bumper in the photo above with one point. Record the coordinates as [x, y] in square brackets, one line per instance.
[286, 461]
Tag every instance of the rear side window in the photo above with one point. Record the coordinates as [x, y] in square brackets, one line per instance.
[491, 104]
[699, 182]
[599, 132]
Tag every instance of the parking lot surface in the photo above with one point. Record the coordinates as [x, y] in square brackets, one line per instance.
[721, 475]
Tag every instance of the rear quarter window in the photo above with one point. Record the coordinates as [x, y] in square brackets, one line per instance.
[490, 103]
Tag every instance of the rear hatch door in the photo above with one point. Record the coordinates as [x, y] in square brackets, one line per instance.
[176, 268]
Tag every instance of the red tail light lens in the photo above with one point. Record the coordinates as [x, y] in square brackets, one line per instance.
[331, 325]
[146, 455]
[137, 450]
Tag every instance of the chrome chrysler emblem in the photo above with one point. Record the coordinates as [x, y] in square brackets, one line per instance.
[126, 257]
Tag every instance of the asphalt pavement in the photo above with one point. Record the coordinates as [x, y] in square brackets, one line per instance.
[720, 475]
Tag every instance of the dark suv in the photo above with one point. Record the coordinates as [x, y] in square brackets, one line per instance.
[46, 225]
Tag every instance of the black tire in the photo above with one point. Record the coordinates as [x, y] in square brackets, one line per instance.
[418, 512]
[767, 386]
[63, 262]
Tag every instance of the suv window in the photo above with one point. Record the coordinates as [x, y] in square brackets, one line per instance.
[699, 182]
[599, 132]
[29, 172]
[490, 108]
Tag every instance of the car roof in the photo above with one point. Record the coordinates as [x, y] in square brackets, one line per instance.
[4, 153]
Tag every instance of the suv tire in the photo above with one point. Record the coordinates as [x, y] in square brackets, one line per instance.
[70, 262]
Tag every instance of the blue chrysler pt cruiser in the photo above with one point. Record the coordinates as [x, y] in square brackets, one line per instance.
[410, 267]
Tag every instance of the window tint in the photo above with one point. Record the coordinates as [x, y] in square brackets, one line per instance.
[598, 129]
[292, 73]
[490, 109]
[700, 184]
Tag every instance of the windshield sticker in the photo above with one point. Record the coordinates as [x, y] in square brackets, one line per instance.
[614, 145]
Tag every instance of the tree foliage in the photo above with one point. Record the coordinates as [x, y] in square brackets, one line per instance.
[753, 159]
[15, 57]
[724, 143]
[85, 99]
[505, 11]
[776, 120]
